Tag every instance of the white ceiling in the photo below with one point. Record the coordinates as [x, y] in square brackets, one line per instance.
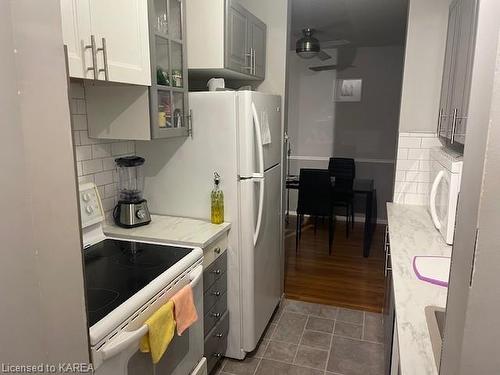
[362, 22]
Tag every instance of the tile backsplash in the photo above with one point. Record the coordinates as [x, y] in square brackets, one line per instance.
[413, 177]
[95, 158]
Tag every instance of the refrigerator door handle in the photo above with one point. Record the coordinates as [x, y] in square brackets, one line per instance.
[258, 139]
[256, 234]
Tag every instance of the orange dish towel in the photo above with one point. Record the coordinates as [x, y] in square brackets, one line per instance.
[161, 328]
[184, 309]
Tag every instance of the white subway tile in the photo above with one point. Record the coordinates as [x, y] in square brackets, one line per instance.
[85, 140]
[418, 176]
[100, 189]
[83, 153]
[108, 164]
[430, 142]
[407, 165]
[405, 187]
[108, 204]
[101, 150]
[419, 154]
[115, 176]
[78, 107]
[399, 198]
[79, 169]
[409, 142]
[119, 148]
[76, 138]
[79, 122]
[402, 154]
[131, 147]
[104, 178]
[423, 188]
[110, 190]
[400, 175]
[86, 179]
[416, 199]
[92, 166]
[424, 166]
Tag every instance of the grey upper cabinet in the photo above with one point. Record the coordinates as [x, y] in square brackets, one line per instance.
[225, 40]
[452, 122]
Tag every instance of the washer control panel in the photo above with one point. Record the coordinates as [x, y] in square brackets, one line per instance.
[91, 211]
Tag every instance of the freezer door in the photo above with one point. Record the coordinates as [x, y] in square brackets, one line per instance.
[260, 260]
[259, 131]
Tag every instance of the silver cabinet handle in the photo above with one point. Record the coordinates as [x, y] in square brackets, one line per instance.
[216, 315]
[454, 124]
[216, 272]
[254, 62]
[249, 54]
[219, 335]
[217, 250]
[217, 355]
[190, 123]
[105, 59]
[216, 293]
[441, 116]
[93, 49]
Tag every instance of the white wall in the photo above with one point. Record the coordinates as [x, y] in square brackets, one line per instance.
[424, 59]
[41, 273]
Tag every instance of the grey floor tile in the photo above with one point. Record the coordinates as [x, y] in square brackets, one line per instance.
[374, 328]
[290, 328]
[355, 357]
[320, 324]
[260, 350]
[245, 367]
[310, 357]
[281, 351]
[269, 367]
[316, 340]
[350, 316]
[344, 329]
[329, 312]
[269, 331]
[302, 307]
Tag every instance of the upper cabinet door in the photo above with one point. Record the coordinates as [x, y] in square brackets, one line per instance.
[76, 35]
[237, 50]
[257, 42]
[122, 37]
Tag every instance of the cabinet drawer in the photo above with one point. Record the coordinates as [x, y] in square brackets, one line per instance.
[214, 251]
[216, 342]
[215, 314]
[215, 293]
[214, 271]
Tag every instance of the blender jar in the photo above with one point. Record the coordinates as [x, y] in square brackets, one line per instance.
[131, 178]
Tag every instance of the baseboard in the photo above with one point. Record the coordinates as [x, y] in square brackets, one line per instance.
[357, 218]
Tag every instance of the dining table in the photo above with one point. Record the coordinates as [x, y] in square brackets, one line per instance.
[361, 186]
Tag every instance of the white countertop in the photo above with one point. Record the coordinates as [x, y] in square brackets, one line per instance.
[172, 230]
[411, 233]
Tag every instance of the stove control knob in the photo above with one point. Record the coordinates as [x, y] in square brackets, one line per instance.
[89, 209]
[141, 214]
[86, 197]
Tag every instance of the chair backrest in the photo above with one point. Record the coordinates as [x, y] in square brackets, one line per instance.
[315, 192]
[343, 168]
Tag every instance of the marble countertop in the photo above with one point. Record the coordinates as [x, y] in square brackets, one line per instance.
[411, 233]
[172, 230]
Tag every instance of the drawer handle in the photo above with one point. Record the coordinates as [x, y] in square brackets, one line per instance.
[217, 272]
[219, 335]
[216, 293]
[217, 250]
[216, 315]
[217, 355]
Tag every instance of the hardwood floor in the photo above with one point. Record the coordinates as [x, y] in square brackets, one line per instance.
[345, 278]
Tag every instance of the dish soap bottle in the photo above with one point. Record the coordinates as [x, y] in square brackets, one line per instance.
[217, 198]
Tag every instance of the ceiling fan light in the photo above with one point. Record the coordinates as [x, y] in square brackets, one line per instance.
[307, 47]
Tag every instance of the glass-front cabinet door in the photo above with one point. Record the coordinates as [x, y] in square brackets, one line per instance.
[169, 85]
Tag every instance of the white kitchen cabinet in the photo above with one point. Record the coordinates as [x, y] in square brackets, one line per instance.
[225, 40]
[107, 40]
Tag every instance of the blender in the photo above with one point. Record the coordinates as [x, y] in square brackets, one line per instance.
[131, 210]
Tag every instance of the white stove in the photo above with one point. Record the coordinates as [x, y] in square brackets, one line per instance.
[126, 281]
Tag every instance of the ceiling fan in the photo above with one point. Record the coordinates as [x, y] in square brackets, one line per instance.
[308, 46]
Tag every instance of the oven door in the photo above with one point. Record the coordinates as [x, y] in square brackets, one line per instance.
[121, 356]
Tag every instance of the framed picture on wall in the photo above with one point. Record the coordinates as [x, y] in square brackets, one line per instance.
[348, 90]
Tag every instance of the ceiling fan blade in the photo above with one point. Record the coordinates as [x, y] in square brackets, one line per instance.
[334, 43]
[322, 55]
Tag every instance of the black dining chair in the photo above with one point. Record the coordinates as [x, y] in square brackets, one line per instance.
[343, 170]
[315, 199]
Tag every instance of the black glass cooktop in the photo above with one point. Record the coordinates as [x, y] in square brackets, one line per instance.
[115, 270]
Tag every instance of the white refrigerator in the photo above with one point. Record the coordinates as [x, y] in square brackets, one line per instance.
[239, 135]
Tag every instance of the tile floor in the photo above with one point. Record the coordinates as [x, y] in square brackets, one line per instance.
[311, 339]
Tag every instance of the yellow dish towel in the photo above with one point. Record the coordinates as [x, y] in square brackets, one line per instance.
[161, 328]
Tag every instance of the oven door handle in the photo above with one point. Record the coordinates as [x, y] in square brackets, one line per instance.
[122, 341]
[195, 276]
